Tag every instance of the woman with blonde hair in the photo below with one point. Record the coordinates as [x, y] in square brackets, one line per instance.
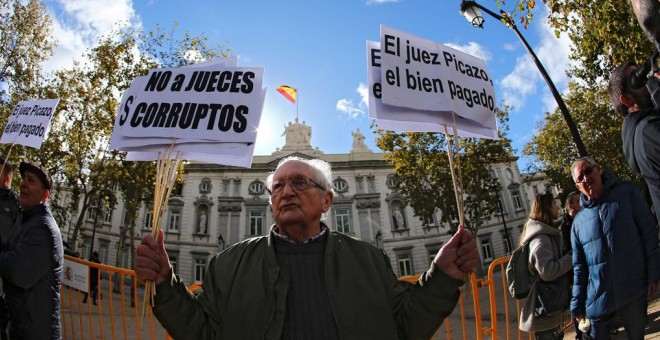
[546, 263]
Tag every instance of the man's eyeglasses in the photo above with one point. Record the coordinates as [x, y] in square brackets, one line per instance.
[581, 178]
[300, 183]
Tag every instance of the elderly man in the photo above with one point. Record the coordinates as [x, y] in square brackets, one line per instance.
[616, 261]
[304, 281]
[32, 266]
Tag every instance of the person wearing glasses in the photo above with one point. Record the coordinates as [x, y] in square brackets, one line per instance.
[304, 280]
[616, 261]
[641, 127]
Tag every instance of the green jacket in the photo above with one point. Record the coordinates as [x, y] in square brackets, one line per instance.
[244, 295]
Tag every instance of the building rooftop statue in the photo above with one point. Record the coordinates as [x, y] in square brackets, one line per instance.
[358, 142]
[297, 138]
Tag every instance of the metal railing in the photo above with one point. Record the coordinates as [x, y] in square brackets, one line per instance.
[117, 317]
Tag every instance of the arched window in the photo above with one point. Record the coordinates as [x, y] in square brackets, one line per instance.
[340, 185]
[257, 187]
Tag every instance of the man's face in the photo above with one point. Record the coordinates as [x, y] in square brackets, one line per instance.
[291, 206]
[641, 96]
[32, 191]
[588, 179]
[574, 205]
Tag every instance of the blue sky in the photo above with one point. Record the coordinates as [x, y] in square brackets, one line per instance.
[319, 48]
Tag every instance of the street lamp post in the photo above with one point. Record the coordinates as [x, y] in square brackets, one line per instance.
[470, 10]
[506, 230]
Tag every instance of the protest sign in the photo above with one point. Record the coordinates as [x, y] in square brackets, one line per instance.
[390, 117]
[29, 122]
[214, 103]
[424, 75]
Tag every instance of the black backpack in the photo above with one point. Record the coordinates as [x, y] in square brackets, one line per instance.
[517, 272]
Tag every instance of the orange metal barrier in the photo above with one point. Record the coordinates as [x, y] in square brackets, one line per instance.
[115, 316]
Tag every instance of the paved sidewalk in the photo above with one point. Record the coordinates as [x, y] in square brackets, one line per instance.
[652, 328]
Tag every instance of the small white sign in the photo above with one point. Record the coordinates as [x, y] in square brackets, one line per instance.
[29, 122]
[76, 275]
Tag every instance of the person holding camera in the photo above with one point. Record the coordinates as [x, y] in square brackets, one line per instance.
[641, 126]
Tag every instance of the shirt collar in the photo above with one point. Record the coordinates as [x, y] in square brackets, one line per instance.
[276, 233]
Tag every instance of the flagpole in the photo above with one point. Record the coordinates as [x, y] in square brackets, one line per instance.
[297, 100]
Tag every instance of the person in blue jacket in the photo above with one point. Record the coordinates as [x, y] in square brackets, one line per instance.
[616, 260]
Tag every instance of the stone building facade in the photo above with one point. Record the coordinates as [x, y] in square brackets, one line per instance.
[219, 206]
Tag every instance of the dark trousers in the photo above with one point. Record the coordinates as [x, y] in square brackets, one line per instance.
[556, 333]
[4, 318]
[93, 291]
[632, 316]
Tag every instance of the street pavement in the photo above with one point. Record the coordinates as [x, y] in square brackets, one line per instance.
[652, 327]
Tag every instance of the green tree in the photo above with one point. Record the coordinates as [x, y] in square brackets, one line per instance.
[553, 151]
[421, 164]
[89, 95]
[603, 36]
[25, 42]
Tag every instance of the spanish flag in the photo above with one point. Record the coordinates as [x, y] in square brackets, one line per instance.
[288, 92]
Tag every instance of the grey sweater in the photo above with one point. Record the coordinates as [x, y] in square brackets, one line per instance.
[546, 262]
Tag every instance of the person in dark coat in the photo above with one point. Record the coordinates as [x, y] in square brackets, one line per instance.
[572, 207]
[32, 266]
[303, 280]
[93, 279]
[10, 220]
[640, 132]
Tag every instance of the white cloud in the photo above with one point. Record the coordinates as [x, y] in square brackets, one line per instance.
[352, 111]
[472, 48]
[509, 47]
[526, 77]
[363, 91]
[193, 56]
[346, 106]
[78, 25]
[379, 2]
[520, 83]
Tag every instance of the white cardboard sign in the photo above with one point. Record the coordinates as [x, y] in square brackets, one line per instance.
[29, 122]
[424, 75]
[390, 117]
[211, 102]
